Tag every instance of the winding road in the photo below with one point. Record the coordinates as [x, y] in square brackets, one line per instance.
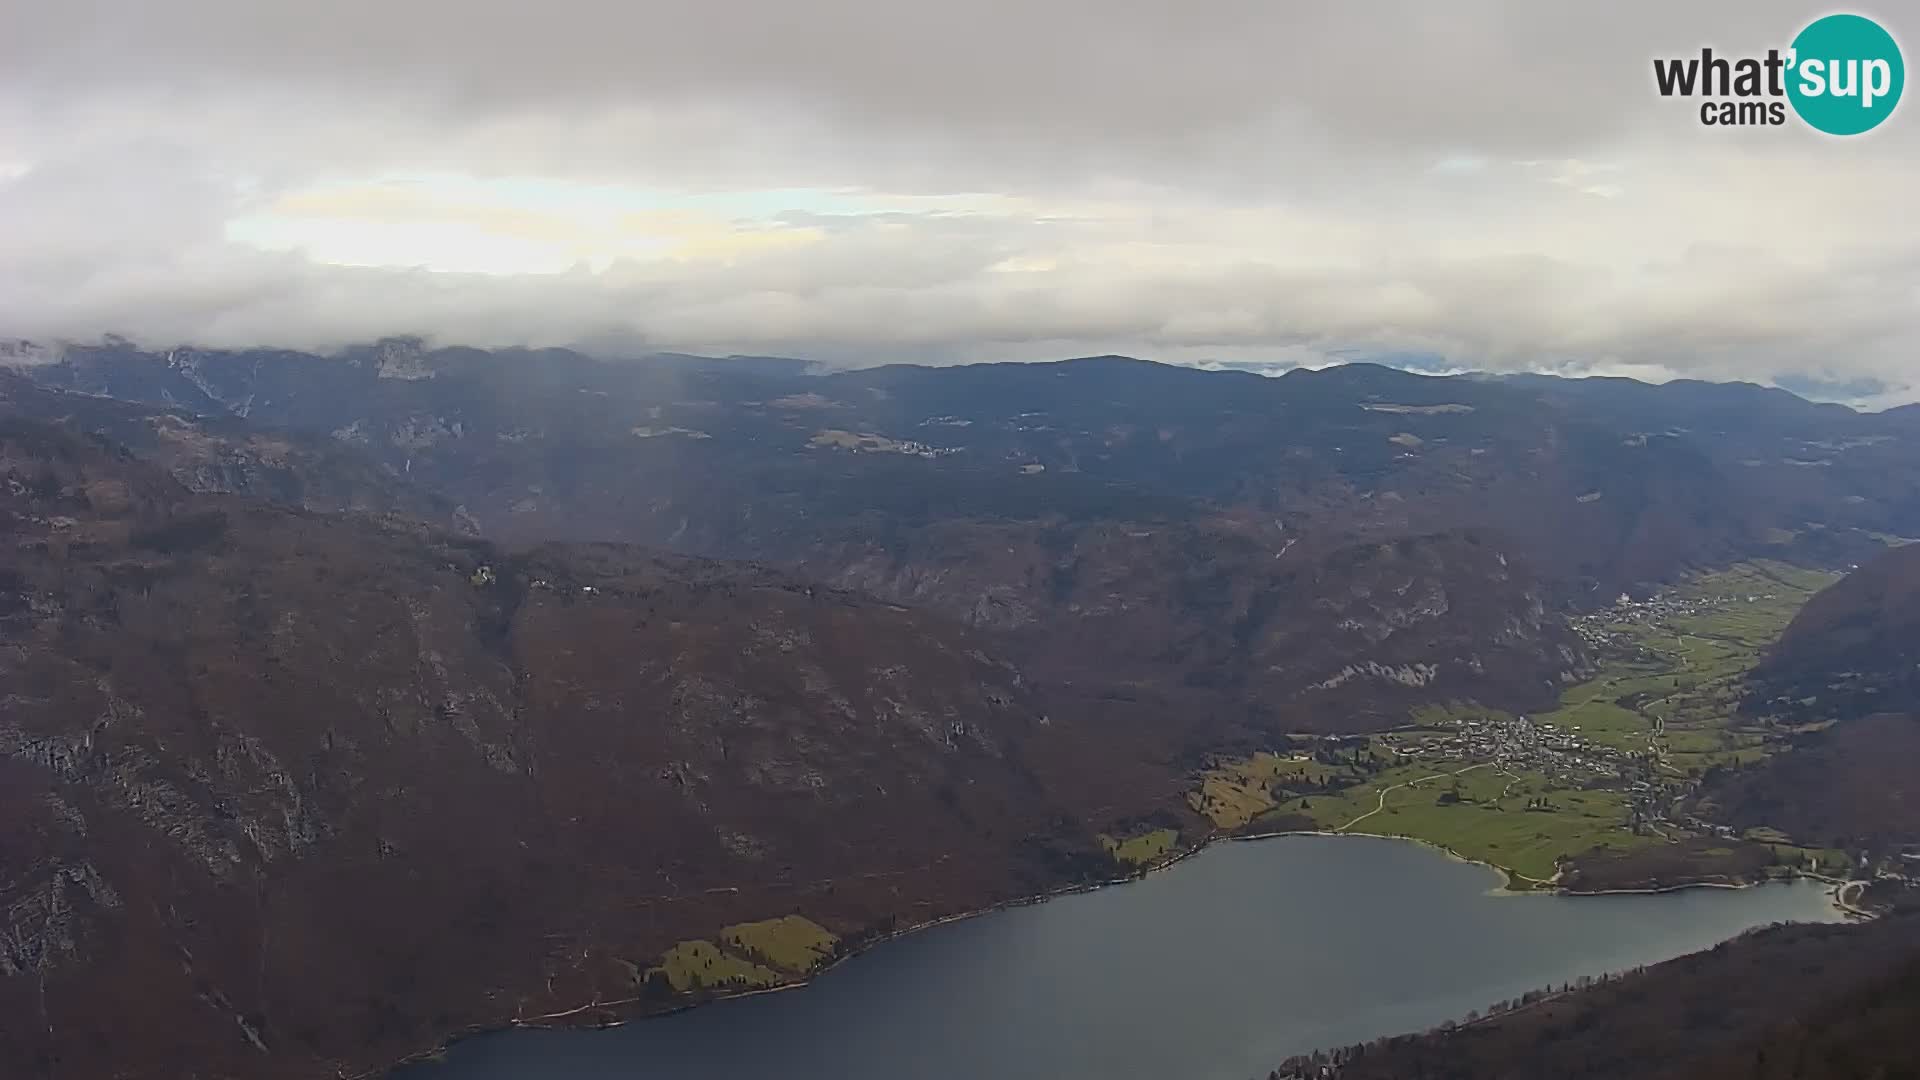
[1410, 783]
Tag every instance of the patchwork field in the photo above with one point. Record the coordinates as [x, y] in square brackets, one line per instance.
[1235, 792]
[752, 955]
[1599, 777]
[1142, 850]
[791, 942]
[702, 964]
[1675, 666]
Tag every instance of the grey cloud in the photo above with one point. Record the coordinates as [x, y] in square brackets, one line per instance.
[1493, 182]
[1097, 81]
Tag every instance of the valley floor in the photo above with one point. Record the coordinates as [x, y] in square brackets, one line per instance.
[1596, 794]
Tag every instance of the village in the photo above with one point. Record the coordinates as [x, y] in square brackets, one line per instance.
[1514, 743]
[1605, 628]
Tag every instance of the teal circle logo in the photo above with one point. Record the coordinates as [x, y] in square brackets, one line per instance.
[1846, 74]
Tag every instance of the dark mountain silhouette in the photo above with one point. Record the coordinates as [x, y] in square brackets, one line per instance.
[1807, 1002]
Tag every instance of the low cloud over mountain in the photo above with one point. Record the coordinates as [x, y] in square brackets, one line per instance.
[1500, 186]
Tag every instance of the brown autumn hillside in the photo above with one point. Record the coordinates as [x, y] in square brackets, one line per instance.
[1110, 514]
[1289, 626]
[1854, 649]
[1832, 1002]
[287, 792]
[1847, 671]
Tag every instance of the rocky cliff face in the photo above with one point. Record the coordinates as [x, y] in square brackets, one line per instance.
[289, 792]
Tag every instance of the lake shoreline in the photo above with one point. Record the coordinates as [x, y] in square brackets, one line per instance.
[1507, 875]
[638, 1010]
[638, 1004]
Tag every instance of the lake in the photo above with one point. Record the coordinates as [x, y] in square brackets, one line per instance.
[1215, 969]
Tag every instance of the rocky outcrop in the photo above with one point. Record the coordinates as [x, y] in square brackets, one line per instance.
[291, 793]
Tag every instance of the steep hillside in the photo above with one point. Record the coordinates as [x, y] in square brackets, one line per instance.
[1811, 1002]
[1854, 786]
[1287, 544]
[1854, 649]
[1125, 515]
[1599, 483]
[225, 454]
[1313, 637]
[1845, 679]
[237, 738]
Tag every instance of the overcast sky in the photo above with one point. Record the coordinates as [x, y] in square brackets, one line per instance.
[1482, 184]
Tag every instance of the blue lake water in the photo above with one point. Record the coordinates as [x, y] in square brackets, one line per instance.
[1215, 969]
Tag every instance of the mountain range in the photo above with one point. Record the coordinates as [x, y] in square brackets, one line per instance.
[356, 701]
